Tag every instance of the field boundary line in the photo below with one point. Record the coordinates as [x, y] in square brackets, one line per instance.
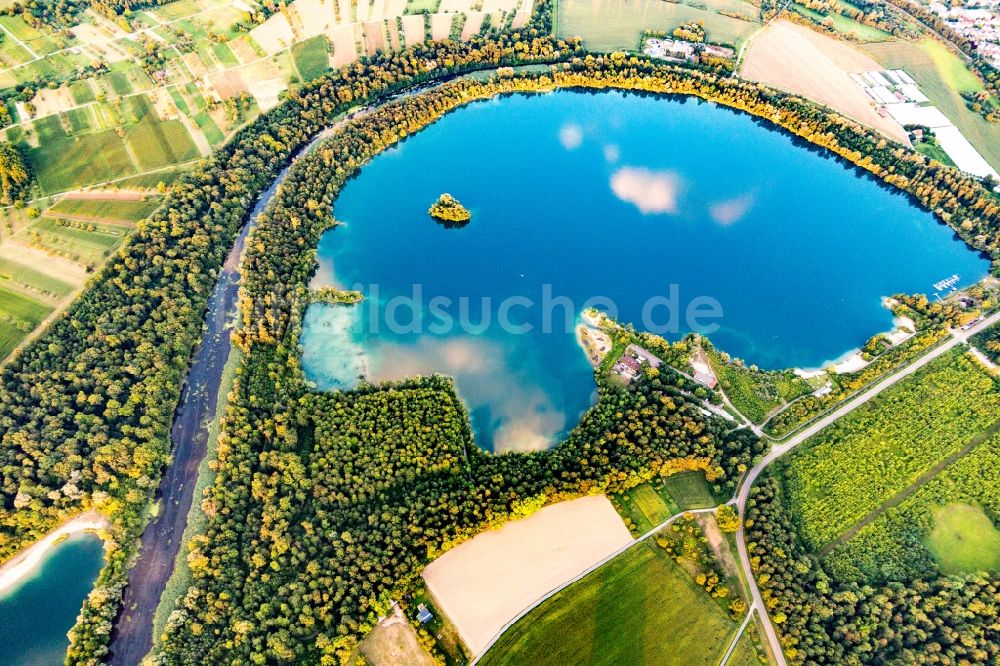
[21, 44]
[583, 574]
[918, 483]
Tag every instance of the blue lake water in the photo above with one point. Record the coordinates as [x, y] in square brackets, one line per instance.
[576, 195]
[35, 616]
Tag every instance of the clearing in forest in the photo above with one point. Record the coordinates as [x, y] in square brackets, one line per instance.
[485, 582]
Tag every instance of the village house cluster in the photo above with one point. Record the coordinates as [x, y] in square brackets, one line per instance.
[632, 361]
[977, 20]
[679, 50]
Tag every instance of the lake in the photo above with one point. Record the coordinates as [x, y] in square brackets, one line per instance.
[35, 616]
[663, 208]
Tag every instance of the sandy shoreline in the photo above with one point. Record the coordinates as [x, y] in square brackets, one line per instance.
[851, 361]
[22, 565]
[592, 338]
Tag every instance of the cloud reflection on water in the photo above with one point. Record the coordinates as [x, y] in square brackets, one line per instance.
[505, 398]
[731, 210]
[649, 191]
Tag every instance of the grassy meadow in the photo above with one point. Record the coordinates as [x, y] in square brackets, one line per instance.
[649, 504]
[964, 540]
[105, 209]
[619, 25]
[640, 608]
[844, 25]
[312, 57]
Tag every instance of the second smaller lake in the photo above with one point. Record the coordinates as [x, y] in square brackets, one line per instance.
[36, 615]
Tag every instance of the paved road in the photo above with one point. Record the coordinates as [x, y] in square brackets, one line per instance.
[957, 337]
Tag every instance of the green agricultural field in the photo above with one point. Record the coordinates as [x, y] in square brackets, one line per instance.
[21, 308]
[19, 314]
[845, 25]
[225, 55]
[84, 242]
[619, 26]
[640, 608]
[157, 143]
[689, 490]
[417, 6]
[18, 277]
[82, 91]
[104, 209]
[646, 506]
[945, 524]
[178, 98]
[881, 448]
[119, 83]
[933, 151]
[79, 120]
[64, 163]
[312, 57]
[10, 337]
[212, 133]
[942, 76]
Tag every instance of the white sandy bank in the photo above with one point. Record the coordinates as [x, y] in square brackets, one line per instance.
[24, 563]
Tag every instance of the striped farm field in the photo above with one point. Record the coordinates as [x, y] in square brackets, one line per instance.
[114, 210]
[22, 278]
[882, 448]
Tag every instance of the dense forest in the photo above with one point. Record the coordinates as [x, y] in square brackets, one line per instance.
[333, 503]
[85, 410]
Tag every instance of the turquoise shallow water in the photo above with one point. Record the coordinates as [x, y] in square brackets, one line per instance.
[35, 617]
[576, 195]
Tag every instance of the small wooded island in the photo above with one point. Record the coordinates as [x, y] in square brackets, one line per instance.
[448, 210]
